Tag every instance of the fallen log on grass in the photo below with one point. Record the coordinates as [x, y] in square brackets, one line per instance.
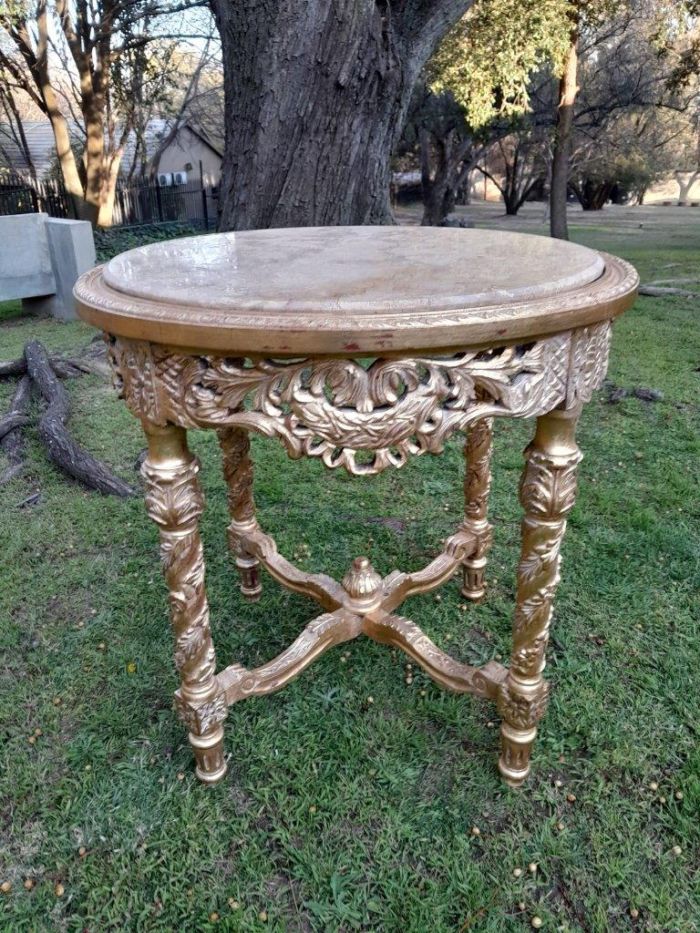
[663, 291]
[61, 447]
[12, 443]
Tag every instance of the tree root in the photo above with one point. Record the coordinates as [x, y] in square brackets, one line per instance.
[42, 372]
[64, 369]
[12, 443]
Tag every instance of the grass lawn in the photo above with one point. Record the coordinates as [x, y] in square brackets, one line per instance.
[339, 813]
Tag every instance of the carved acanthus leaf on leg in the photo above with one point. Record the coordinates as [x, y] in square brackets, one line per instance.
[547, 494]
[174, 501]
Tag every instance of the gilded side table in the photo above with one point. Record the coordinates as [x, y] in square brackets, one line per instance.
[363, 346]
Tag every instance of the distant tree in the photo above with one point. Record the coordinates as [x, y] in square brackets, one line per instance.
[687, 176]
[15, 109]
[479, 85]
[447, 147]
[517, 163]
[626, 115]
[91, 65]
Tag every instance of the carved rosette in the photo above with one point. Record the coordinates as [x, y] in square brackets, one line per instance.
[342, 411]
[174, 502]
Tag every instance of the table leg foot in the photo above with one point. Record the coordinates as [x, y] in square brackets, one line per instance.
[209, 754]
[547, 494]
[238, 471]
[478, 449]
[516, 745]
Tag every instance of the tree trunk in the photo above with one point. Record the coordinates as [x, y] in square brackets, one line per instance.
[438, 181]
[39, 66]
[568, 89]
[685, 186]
[109, 190]
[315, 98]
[593, 194]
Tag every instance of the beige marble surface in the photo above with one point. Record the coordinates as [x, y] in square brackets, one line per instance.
[353, 269]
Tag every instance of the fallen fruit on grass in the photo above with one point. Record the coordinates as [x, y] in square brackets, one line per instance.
[536, 922]
[59, 890]
[6, 887]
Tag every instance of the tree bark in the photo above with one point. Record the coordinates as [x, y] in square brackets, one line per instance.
[12, 443]
[568, 89]
[316, 94]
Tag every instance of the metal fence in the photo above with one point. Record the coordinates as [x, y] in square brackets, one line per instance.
[144, 203]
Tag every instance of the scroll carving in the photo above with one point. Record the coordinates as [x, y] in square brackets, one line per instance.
[363, 419]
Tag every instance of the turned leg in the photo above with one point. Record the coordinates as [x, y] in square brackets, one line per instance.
[478, 448]
[174, 501]
[238, 471]
[547, 494]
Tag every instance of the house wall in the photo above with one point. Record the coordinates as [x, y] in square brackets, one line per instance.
[186, 148]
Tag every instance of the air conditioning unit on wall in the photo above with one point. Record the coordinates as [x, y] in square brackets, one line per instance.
[165, 179]
[179, 178]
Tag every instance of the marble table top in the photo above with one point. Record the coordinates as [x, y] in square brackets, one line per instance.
[352, 289]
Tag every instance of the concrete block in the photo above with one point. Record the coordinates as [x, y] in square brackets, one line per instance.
[72, 249]
[25, 259]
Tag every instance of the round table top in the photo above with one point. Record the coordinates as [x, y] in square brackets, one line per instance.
[349, 290]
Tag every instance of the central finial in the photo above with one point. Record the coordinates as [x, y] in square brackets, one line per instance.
[362, 582]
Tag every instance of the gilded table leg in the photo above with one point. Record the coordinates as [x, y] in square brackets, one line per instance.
[477, 483]
[238, 470]
[547, 494]
[174, 501]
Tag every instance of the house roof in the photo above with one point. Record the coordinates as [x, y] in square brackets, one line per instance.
[42, 147]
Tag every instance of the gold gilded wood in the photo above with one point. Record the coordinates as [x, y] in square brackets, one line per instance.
[238, 471]
[174, 501]
[547, 494]
[341, 411]
[478, 449]
[302, 376]
[362, 419]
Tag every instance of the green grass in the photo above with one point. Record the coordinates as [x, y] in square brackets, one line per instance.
[338, 813]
